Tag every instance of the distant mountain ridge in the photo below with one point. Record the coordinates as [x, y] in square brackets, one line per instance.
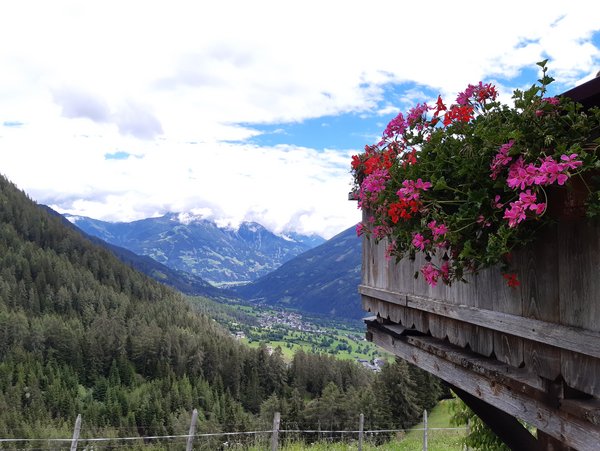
[185, 282]
[322, 280]
[200, 247]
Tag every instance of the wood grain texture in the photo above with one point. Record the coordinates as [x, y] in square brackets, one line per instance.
[541, 300]
[575, 339]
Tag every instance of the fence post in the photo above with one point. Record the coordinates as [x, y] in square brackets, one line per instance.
[192, 432]
[468, 432]
[425, 430]
[275, 435]
[76, 433]
[361, 427]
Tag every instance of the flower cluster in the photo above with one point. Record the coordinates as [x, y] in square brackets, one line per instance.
[466, 183]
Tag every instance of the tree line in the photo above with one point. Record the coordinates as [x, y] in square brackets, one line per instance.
[83, 333]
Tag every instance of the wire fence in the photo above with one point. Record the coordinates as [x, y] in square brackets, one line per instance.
[274, 439]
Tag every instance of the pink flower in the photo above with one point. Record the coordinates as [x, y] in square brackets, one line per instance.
[420, 184]
[515, 214]
[521, 176]
[409, 190]
[501, 159]
[431, 274]
[568, 161]
[416, 113]
[397, 126]
[360, 229]
[518, 209]
[483, 222]
[437, 230]
[445, 270]
[389, 251]
[496, 202]
[551, 100]
[380, 232]
[419, 241]
[375, 182]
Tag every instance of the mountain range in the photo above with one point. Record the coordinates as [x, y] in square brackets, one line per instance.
[322, 280]
[219, 255]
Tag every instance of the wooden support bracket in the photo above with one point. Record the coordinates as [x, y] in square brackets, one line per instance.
[573, 423]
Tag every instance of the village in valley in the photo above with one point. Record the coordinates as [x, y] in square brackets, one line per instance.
[291, 331]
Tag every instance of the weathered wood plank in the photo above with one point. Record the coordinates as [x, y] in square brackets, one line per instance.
[481, 340]
[588, 409]
[508, 347]
[495, 371]
[579, 274]
[581, 372]
[540, 293]
[565, 337]
[574, 432]
[579, 282]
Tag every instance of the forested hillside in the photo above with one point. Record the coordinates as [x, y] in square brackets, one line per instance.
[322, 280]
[81, 332]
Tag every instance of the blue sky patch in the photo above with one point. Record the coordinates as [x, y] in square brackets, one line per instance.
[120, 155]
[12, 124]
[346, 131]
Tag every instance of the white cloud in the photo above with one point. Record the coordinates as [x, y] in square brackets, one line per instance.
[88, 79]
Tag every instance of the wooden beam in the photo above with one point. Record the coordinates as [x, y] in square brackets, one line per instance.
[575, 339]
[505, 426]
[574, 432]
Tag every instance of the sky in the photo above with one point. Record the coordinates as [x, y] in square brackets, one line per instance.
[248, 110]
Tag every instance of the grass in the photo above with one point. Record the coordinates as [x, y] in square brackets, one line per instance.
[438, 440]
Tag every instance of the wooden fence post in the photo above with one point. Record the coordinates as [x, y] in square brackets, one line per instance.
[361, 427]
[275, 434]
[468, 432]
[76, 433]
[425, 430]
[192, 432]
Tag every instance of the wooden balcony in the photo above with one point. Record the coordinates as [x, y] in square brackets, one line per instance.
[532, 352]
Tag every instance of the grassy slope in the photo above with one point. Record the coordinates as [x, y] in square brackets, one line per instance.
[438, 440]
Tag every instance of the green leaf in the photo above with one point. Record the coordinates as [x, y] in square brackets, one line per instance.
[440, 184]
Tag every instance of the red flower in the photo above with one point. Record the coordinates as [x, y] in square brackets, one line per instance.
[403, 209]
[410, 158]
[356, 162]
[511, 280]
[458, 113]
[439, 107]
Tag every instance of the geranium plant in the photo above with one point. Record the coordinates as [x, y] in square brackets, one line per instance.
[468, 182]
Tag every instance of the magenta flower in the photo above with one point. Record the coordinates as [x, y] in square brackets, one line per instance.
[551, 100]
[445, 270]
[419, 241]
[515, 214]
[521, 176]
[496, 202]
[375, 182]
[360, 229]
[569, 161]
[501, 159]
[437, 230]
[397, 126]
[416, 113]
[410, 187]
[431, 274]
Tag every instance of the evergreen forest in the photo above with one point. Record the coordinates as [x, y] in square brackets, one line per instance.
[83, 333]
